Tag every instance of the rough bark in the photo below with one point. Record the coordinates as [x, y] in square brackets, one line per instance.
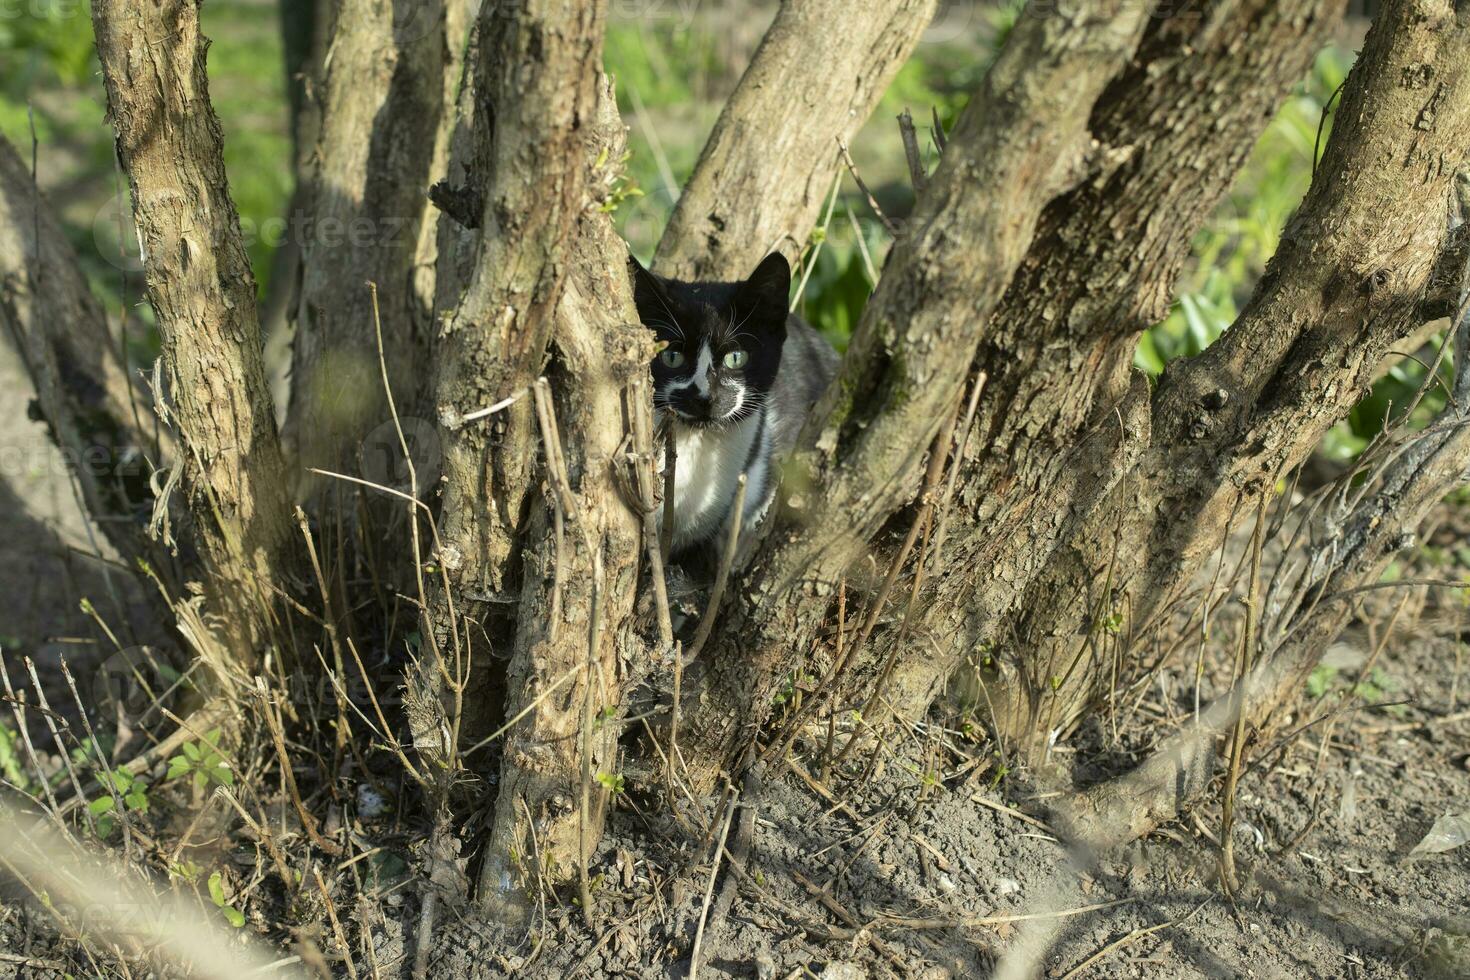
[203, 294]
[1354, 267]
[1181, 768]
[1025, 131]
[1064, 416]
[535, 155]
[96, 414]
[579, 582]
[366, 175]
[525, 186]
[769, 162]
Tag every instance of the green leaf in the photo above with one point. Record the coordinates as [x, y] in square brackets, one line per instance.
[1320, 680]
[191, 751]
[101, 805]
[217, 889]
[233, 916]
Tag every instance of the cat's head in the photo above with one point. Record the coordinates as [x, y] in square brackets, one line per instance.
[723, 340]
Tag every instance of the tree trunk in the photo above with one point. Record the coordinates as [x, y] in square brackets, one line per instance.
[580, 563]
[526, 186]
[95, 412]
[365, 175]
[1349, 280]
[203, 293]
[1025, 131]
[1065, 416]
[768, 165]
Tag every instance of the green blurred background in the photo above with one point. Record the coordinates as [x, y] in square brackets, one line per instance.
[675, 63]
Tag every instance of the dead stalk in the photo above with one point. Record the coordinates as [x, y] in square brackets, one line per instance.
[1243, 667]
[584, 817]
[714, 873]
[892, 228]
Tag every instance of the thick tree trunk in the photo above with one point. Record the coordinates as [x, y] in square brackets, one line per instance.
[550, 271]
[365, 175]
[1065, 417]
[769, 163]
[580, 563]
[1026, 132]
[1349, 280]
[98, 417]
[203, 294]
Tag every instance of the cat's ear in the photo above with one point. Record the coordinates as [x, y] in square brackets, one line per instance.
[768, 290]
[648, 290]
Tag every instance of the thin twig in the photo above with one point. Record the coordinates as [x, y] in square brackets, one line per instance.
[584, 817]
[1132, 937]
[893, 229]
[709, 891]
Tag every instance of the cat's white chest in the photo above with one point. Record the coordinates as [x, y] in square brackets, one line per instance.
[707, 473]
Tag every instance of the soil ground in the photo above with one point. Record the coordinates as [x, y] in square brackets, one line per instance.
[881, 885]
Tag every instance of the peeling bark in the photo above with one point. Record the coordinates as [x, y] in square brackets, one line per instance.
[203, 293]
[769, 162]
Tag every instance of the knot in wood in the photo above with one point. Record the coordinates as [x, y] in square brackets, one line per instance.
[1216, 400]
[1376, 281]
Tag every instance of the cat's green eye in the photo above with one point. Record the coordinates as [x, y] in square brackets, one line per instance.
[672, 358]
[735, 360]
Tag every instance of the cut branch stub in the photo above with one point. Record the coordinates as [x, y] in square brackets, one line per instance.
[202, 291]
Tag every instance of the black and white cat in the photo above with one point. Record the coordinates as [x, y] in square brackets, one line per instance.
[733, 385]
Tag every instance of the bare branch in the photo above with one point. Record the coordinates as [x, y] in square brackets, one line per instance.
[764, 173]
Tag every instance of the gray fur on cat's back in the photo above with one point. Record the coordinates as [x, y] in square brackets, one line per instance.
[808, 364]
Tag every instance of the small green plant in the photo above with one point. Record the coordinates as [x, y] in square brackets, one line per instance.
[185, 870]
[202, 761]
[232, 915]
[1319, 681]
[612, 782]
[130, 789]
[790, 687]
[11, 768]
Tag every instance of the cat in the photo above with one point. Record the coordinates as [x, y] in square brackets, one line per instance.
[733, 385]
